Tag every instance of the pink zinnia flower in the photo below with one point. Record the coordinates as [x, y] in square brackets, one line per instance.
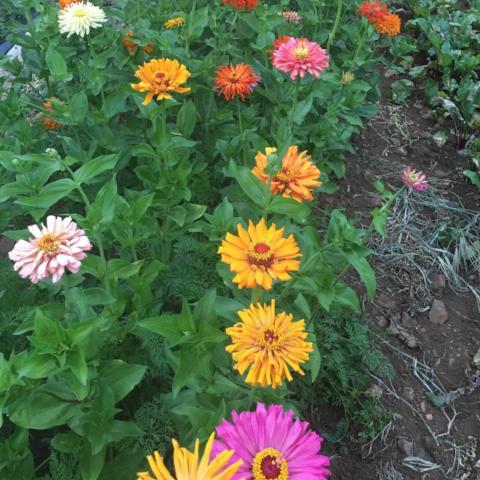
[56, 247]
[298, 56]
[272, 446]
[414, 179]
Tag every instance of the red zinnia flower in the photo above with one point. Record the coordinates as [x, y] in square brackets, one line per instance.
[241, 4]
[277, 42]
[235, 80]
[374, 11]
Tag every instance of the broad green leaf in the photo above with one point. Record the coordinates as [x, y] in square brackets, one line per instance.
[187, 118]
[49, 195]
[249, 183]
[287, 206]
[90, 466]
[121, 377]
[363, 268]
[118, 268]
[56, 64]
[95, 167]
[205, 308]
[78, 364]
[301, 109]
[78, 106]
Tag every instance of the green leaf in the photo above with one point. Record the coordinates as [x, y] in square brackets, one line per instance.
[90, 466]
[119, 430]
[103, 209]
[190, 365]
[78, 107]
[363, 268]
[121, 377]
[118, 268]
[249, 183]
[95, 167]
[302, 304]
[115, 104]
[315, 360]
[301, 109]
[287, 206]
[187, 118]
[56, 64]
[78, 365]
[205, 309]
[49, 195]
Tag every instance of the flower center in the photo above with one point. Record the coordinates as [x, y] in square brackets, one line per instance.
[49, 243]
[301, 52]
[283, 176]
[260, 254]
[80, 12]
[269, 465]
[269, 339]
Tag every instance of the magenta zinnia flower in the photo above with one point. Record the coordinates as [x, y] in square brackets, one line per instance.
[272, 445]
[56, 247]
[298, 56]
[415, 180]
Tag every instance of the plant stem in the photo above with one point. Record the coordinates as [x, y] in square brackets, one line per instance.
[360, 43]
[295, 100]
[389, 202]
[242, 136]
[338, 17]
[255, 295]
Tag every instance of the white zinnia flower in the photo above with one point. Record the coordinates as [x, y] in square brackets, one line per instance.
[80, 17]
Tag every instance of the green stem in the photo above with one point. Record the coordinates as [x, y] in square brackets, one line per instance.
[338, 17]
[255, 295]
[394, 197]
[360, 43]
[295, 100]
[232, 26]
[242, 136]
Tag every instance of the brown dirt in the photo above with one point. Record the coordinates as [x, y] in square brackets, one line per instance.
[447, 348]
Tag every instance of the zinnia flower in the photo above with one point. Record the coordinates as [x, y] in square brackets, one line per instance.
[189, 465]
[296, 178]
[79, 18]
[373, 11]
[298, 56]
[268, 345]
[277, 42]
[55, 247]
[273, 445]
[235, 80]
[129, 44]
[48, 122]
[65, 3]
[259, 255]
[175, 22]
[291, 17]
[415, 180]
[241, 4]
[160, 78]
[390, 25]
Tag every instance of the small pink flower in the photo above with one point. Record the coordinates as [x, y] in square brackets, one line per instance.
[272, 445]
[414, 179]
[54, 248]
[291, 17]
[298, 56]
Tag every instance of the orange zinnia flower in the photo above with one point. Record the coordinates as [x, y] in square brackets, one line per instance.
[259, 255]
[160, 78]
[389, 25]
[268, 345]
[66, 3]
[148, 48]
[235, 80]
[373, 11]
[48, 122]
[129, 44]
[241, 4]
[296, 178]
[276, 43]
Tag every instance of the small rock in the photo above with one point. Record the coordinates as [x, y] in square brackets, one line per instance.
[439, 281]
[381, 321]
[405, 446]
[429, 417]
[374, 391]
[5, 246]
[403, 152]
[344, 451]
[476, 358]
[423, 406]
[438, 313]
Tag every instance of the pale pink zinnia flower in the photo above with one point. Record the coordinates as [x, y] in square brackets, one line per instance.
[298, 56]
[54, 248]
[272, 445]
[414, 179]
[292, 17]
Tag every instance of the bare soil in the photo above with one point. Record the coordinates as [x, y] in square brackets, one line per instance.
[403, 136]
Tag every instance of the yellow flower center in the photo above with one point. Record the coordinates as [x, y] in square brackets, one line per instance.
[260, 254]
[301, 52]
[283, 176]
[49, 243]
[269, 465]
[80, 12]
[270, 340]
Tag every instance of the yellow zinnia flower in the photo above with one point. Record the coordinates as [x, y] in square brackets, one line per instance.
[296, 178]
[268, 344]
[175, 22]
[189, 466]
[260, 255]
[160, 77]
